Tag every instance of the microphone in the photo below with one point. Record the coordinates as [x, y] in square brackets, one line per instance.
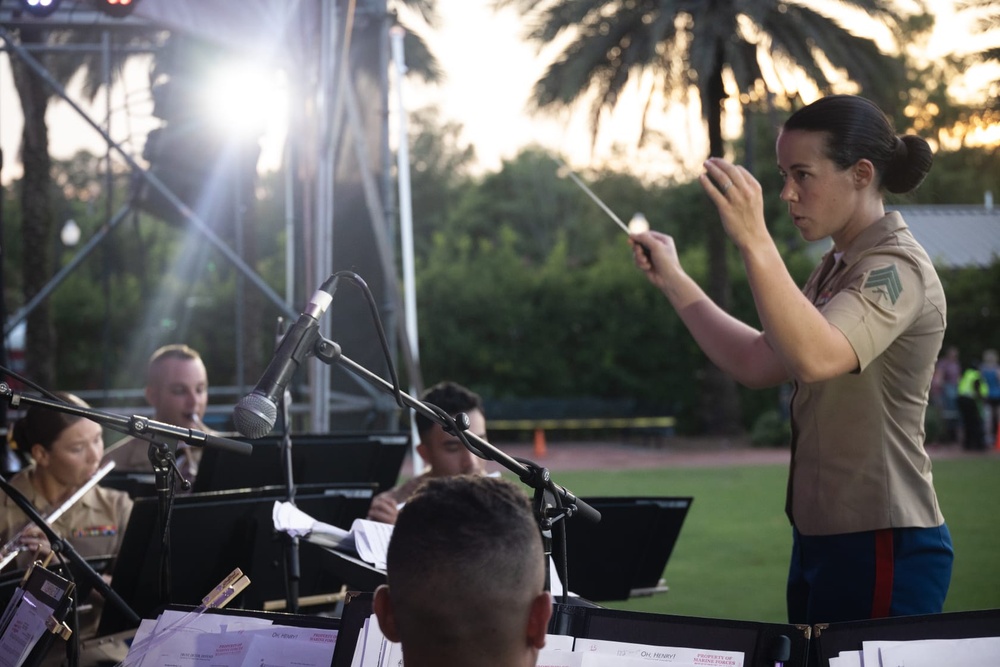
[256, 412]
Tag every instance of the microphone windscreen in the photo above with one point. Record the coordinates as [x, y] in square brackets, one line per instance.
[254, 416]
[781, 649]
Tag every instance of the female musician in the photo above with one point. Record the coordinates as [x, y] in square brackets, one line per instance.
[66, 451]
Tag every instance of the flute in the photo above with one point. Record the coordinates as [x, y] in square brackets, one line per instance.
[12, 548]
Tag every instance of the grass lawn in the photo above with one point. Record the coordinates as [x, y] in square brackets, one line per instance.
[732, 555]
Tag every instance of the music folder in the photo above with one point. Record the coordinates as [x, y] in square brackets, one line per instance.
[34, 615]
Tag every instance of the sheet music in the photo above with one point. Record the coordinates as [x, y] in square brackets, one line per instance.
[41, 595]
[969, 652]
[311, 647]
[664, 654]
[290, 519]
[847, 659]
[181, 631]
[221, 640]
[368, 539]
[373, 647]
[371, 541]
[26, 627]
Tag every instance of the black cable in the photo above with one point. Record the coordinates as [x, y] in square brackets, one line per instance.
[359, 281]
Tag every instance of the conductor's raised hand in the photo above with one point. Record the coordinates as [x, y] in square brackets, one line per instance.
[656, 255]
[738, 197]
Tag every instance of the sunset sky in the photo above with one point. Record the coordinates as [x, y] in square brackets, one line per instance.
[490, 73]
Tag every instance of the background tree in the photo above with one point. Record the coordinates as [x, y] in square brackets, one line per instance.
[691, 46]
[988, 21]
[36, 192]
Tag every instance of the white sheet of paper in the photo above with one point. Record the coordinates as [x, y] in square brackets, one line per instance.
[371, 540]
[608, 660]
[665, 654]
[290, 519]
[174, 639]
[559, 643]
[376, 645]
[555, 658]
[970, 652]
[359, 646]
[847, 659]
[283, 646]
[24, 629]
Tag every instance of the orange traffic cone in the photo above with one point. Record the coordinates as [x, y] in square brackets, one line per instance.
[540, 443]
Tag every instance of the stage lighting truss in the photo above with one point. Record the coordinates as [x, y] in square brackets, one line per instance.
[39, 7]
[116, 8]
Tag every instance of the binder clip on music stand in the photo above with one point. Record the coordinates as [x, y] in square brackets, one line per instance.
[255, 414]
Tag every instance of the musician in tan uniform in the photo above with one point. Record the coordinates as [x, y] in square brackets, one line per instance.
[177, 388]
[66, 451]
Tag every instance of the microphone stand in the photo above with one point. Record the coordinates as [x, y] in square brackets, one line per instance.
[61, 546]
[161, 455]
[293, 572]
[537, 477]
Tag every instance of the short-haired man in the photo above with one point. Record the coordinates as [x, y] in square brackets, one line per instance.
[443, 452]
[466, 577]
[177, 388]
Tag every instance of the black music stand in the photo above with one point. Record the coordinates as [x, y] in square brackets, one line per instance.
[625, 554]
[338, 458]
[213, 533]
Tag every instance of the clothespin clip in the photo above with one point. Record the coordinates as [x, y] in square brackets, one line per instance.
[227, 589]
[58, 628]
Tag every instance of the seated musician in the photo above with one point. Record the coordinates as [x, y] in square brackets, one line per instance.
[443, 452]
[66, 451]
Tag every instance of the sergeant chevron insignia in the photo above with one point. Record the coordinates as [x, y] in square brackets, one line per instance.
[883, 283]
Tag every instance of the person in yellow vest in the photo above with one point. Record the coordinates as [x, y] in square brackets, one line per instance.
[971, 395]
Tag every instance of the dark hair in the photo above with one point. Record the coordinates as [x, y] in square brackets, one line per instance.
[472, 529]
[460, 517]
[450, 397]
[858, 130]
[42, 425]
[464, 562]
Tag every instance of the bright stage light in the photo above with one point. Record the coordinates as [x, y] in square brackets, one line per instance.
[116, 8]
[40, 7]
[245, 100]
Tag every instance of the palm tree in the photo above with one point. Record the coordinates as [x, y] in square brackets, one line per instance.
[690, 45]
[988, 13]
[36, 185]
[420, 59]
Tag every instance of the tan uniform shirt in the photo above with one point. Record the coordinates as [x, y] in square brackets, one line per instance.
[858, 457]
[94, 526]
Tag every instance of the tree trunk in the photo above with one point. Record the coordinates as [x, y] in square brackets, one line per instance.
[720, 401]
[36, 190]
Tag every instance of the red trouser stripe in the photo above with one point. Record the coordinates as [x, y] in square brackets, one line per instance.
[882, 599]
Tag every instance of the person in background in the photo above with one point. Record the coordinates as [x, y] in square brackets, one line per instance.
[944, 391]
[443, 452]
[465, 577]
[859, 341]
[177, 388]
[972, 394]
[66, 452]
[990, 372]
